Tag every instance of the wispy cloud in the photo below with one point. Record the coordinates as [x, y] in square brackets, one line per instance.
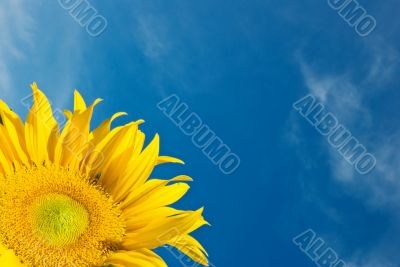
[21, 22]
[384, 61]
[334, 90]
[152, 34]
[16, 27]
[348, 100]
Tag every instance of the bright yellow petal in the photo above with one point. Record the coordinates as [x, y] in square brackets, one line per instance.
[148, 189]
[138, 170]
[6, 147]
[68, 114]
[101, 132]
[111, 152]
[8, 258]
[38, 127]
[79, 102]
[6, 165]
[134, 223]
[74, 138]
[11, 130]
[136, 258]
[167, 159]
[16, 121]
[152, 236]
[191, 247]
[163, 196]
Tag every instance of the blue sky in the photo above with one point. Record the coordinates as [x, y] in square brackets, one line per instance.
[239, 65]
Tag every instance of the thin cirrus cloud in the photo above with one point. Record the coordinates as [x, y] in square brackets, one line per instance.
[152, 36]
[16, 26]
[25, 51]
[346, 101]
[349, 102]
[384, 61]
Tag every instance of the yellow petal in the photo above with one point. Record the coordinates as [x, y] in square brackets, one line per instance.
[79, 102]
[11, 130]
[5, 146]
[5, 163]
[68, 114]
[148, 189]
[38, 127]
[111, 150]
[16, 121]
[100, 132]
[74, 138]
[153, 235]
[8, 258]
[138, 170]
[167, 159]
[163, 196]
[191, 247]
[134, 223]
[136, 258]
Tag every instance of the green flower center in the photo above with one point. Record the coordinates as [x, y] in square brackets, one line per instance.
[59, 219]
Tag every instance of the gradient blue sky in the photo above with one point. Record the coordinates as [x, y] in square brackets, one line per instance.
[240, 65]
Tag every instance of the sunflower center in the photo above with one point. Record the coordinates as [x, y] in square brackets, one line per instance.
[51, 216]
[59, 219]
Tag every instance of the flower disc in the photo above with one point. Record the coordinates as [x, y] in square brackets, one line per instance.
[63, 218]
[59, 219]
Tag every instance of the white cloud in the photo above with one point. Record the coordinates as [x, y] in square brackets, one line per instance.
[383, 62]
[20, 24]
[346, 101]
[16, 26]
[381, 189]
[335, 91]
[152, 33]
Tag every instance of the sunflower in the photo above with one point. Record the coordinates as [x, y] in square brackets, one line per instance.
[70, 196]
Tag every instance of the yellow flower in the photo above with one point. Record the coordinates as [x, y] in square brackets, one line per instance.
[76, 197]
